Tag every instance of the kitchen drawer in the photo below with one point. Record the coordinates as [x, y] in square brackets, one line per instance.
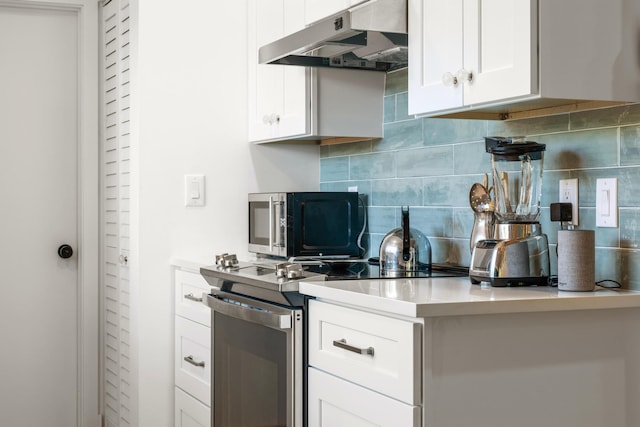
[189, 288]
[190, 412]
[334, 402]
[393, 369]
[193, 359]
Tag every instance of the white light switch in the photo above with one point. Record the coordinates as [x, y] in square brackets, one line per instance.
[607, 202]
[194, 190]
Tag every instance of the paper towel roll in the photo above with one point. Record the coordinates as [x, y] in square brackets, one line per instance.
[576, 260]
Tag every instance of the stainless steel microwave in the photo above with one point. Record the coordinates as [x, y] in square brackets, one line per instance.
[304, 224]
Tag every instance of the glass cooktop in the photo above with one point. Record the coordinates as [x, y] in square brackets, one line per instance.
[370, 269]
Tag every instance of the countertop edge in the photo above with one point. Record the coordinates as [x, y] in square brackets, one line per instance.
[570, 302]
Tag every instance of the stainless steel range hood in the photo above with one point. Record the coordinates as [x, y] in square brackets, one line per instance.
[370, 36]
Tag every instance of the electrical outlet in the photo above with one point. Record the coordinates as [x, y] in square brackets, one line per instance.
[569, 194]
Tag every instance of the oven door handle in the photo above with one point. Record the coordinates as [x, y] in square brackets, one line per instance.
[250, 310]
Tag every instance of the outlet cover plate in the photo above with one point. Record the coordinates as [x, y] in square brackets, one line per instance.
[569, 194]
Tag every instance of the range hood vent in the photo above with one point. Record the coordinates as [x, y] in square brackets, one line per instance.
[370, 36]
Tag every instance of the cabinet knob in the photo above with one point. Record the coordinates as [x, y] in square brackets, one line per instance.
[449, 79]
[464, 76]
[269, 119]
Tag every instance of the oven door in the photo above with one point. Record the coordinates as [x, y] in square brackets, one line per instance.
[257, 360]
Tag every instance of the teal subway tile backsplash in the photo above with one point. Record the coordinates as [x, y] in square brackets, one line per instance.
[452, 191]
[400, 135]
[581, 150]
[334, 169]
[397, 192]
[389, 109]
[533, 126]
[630, 228]
[471, 158]
[438, 131]
[373, 165]
[425, 161]
[430, 165]
[630, 145]
[606, 117]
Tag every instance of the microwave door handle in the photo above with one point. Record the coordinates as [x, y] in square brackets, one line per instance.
[275, 224]
[271, 225]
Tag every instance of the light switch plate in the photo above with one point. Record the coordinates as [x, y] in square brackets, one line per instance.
[569, 194]
[607, 202]
[194, 190]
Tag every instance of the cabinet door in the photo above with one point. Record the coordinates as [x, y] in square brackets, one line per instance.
[377, 352]
[189, 412]
[335, 402]
[278, 94]
[435, 52]
[189, 288]
[193, 358]
[315, 10]
[500, 49]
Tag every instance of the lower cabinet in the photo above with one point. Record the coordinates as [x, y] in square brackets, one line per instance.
[364, 369]
[190, 412]
[334, 402]
[193, 358]
[192, 350]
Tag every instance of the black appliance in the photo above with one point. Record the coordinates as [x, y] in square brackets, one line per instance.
[304, 224]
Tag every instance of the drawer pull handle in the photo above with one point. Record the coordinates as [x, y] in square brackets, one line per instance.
[189, 359]
[192, 298]
[343, 344]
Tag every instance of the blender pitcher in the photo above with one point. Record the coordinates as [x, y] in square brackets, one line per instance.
[516, 166]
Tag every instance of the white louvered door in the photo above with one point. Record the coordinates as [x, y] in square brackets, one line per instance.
[117, 384]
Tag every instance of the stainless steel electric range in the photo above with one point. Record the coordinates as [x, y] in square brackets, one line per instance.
[258, 332]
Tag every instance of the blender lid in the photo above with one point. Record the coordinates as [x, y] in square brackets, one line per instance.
[509, 148]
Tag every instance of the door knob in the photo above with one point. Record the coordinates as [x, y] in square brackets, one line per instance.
[65, 251]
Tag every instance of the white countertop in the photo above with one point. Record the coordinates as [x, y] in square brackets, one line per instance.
[457, 296]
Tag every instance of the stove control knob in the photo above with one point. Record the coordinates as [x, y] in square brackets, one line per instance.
[220, 259]
[294, 271]
[229, 261]
[281, 270]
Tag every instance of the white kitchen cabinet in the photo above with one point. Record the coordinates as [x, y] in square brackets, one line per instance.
[315, 10]
[192, 358]
[377, 352]
[364, 368]
[189, 287]
[189, 412]
[457, 38]
[526, 357]
[509, 58]
[334, 402]
[299, 103]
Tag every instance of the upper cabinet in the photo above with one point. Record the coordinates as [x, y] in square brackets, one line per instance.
[299, 103]
[517, 58]
[315, 10]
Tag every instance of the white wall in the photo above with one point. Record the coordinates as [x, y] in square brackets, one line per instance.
[190, 100]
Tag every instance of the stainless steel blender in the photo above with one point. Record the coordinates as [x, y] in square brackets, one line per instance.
[518, 254]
